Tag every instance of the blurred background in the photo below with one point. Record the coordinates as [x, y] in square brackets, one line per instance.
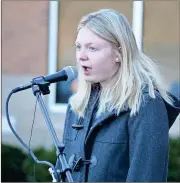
[25, 55]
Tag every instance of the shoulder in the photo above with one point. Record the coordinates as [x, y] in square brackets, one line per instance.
[69, 110]
[71, 115]
[152, 113]
[148, 102]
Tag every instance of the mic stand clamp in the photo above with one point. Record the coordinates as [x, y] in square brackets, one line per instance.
[65, 173]
[43, 85]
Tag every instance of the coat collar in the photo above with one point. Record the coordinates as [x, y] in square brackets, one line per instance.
[104, 117]
[94, 98]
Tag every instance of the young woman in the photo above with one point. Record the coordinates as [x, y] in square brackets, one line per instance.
[117, 123]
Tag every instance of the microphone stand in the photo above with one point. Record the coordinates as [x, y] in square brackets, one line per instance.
[65, 171]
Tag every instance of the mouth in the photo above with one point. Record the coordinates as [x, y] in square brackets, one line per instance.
[85, 67]
[86, 70]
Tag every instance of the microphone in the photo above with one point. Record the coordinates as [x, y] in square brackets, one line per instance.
[68, 73]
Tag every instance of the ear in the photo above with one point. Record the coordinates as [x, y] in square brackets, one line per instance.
[120, 53]
[117, 55]
[117, 59]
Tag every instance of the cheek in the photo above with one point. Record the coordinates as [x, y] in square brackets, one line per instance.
[103, 62]
[78, 61]
[77, 56]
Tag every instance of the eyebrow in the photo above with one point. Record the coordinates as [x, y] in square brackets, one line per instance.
[86, 43]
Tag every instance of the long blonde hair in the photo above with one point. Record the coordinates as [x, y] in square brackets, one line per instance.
[136, 70]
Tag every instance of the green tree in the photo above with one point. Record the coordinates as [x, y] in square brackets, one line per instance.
[41, 171]
[12, 160]
[174, 160]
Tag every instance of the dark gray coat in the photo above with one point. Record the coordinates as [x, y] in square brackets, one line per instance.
[120, 148]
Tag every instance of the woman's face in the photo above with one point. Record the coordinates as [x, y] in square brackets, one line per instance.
[96, 57]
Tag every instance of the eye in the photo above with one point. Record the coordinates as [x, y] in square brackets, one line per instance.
[91, 48]
[78, 47]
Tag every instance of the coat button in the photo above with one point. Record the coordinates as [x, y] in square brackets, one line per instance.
[71, 161]
[78, 164]
[93, 161]
[77, 127]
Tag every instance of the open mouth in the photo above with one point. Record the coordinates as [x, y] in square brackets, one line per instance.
[86, 70]
[85, 67]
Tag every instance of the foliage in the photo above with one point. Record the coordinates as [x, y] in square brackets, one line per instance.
[12, 161]
[18, 166]
[41, 171]
[174, 161]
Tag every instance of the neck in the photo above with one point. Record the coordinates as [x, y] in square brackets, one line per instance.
[106, 83]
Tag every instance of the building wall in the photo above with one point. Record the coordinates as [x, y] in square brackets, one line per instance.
[24, 37]
[24, 56]
[161, 36]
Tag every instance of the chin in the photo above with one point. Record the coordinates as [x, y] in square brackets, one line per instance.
[92, 81]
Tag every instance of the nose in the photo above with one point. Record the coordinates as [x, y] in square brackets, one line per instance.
[82, 55]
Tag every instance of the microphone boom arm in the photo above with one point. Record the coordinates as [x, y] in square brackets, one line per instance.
[40, 81]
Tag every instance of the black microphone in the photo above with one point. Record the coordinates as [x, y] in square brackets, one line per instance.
[68, 73]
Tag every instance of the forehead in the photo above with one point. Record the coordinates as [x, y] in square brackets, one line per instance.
[85, 36]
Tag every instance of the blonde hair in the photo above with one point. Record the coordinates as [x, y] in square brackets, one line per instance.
[136, 70]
